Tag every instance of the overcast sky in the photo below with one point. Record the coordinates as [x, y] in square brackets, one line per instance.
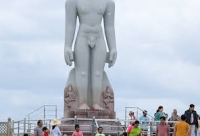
[158, 55]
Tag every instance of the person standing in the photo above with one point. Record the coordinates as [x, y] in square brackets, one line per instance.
[174, 117]
[182, 128]
[163, 128]
[192, 119]
[144, 123]
[55, 131]
[100, 132]
[159, 113]
[38, 130]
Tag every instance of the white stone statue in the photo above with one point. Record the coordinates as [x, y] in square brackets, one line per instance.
[89, 54]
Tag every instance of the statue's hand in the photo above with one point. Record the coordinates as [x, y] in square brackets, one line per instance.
[68, 56]
[113, 57]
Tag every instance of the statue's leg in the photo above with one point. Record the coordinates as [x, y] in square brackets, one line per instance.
[81, 69]
[98, 57]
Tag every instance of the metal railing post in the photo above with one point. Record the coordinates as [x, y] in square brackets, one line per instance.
[75, 120]
[13, 127]
[125, 117]
[49, 125]
[24, 125]
[118, 127]
[93, 125]
[29, 127]
[44, 114]
[151, 125]
[18, 128]
[56, 112]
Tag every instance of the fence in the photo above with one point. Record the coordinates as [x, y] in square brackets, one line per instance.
[43, 112]
[5, 128]
[21, 127]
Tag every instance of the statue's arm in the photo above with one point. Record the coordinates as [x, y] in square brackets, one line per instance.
[109, 17]
[70, 27]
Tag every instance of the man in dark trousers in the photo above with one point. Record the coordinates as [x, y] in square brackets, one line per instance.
[192, 119]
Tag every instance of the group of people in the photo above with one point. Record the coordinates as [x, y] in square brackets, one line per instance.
[55, 131]
[190, 117]
[134, 129]
[44, 131]
[187, 124]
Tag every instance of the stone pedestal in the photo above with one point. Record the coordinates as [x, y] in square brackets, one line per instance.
[72, 95]
[91, 114]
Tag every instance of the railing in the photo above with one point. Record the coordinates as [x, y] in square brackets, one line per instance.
[43, 112]
[20, 127]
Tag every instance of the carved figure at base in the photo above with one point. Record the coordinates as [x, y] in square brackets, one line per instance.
[70, 95]
[108, 96]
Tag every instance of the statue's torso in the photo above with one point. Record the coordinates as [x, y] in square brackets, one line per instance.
[90, 13]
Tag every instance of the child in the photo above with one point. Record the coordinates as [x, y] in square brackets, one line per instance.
[100, 132]
[163, 129]
[182, 128]
[77, 131]
[46, 131]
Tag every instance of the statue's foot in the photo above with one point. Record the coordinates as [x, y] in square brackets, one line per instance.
[97, 107]
[84, 107]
